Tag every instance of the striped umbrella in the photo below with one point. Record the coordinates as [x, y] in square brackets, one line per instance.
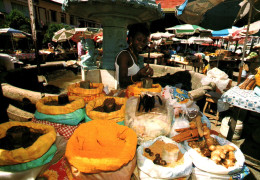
[185, 29]
[63, 35]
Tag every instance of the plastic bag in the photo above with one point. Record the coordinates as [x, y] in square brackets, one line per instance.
[159, 172]
[202, 175]
[206, 164]
[148, 125]
[179, 123]
[217, 73]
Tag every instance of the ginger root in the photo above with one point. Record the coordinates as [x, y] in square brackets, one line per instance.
[230, 160]
[223, 155]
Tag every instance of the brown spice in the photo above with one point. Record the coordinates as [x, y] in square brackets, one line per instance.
[157, 148]
[109, 105]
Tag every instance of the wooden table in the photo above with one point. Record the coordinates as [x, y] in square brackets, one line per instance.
[184, 63]
[155, 58]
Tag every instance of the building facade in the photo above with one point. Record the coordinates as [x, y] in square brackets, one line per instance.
[46, 12]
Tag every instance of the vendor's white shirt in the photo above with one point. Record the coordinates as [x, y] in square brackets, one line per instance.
[131, 70]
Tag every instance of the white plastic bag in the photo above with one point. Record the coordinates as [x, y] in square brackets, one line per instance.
[198, 174]
[220, 78]
[179, 123]
[206, 164]
[217, 73]
[154, 171]
[148, 125]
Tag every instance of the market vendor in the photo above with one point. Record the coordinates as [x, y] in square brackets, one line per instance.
[129, 65]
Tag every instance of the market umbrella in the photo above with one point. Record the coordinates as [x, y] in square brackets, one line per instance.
[174, 39]
[81, 33]
[63, 35]
[199, 40]
[159, 35]
[185, 29]
[253, 29]
[224, 32]
[98, 37]
[214, 14]
[14, 33]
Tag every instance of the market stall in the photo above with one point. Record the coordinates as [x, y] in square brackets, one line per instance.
[244, 101]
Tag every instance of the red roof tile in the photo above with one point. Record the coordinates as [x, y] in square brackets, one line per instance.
[169, 5]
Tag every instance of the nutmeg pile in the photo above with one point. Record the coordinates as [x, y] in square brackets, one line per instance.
[158, 160]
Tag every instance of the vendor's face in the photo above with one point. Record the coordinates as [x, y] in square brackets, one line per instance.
[139, 42]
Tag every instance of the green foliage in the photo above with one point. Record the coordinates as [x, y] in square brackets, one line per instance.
[17, 20]
[51, 30]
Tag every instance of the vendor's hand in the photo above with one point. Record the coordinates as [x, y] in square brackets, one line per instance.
[145, 71]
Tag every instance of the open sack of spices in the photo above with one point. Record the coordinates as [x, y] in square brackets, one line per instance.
[24, 146]
[61, 109]
[214, 154]
[188, 120]
[149, 116]
[107, 108]
[102, 149]
[162, 158]
[86, 90]
[143, 86]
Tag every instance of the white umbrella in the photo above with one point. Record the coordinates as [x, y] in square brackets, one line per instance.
[63, 35]
[185, 29]
[156, 36]
[167, 35]
[199, 40]
[159, 35]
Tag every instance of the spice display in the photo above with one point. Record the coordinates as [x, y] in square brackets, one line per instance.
[109, 105]
[47, 105]
[114, 108]
[209, 147]
[94, 91]
[39, 145]
[164, 154]
[17, 137]
[191, 133]
[101, 145]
